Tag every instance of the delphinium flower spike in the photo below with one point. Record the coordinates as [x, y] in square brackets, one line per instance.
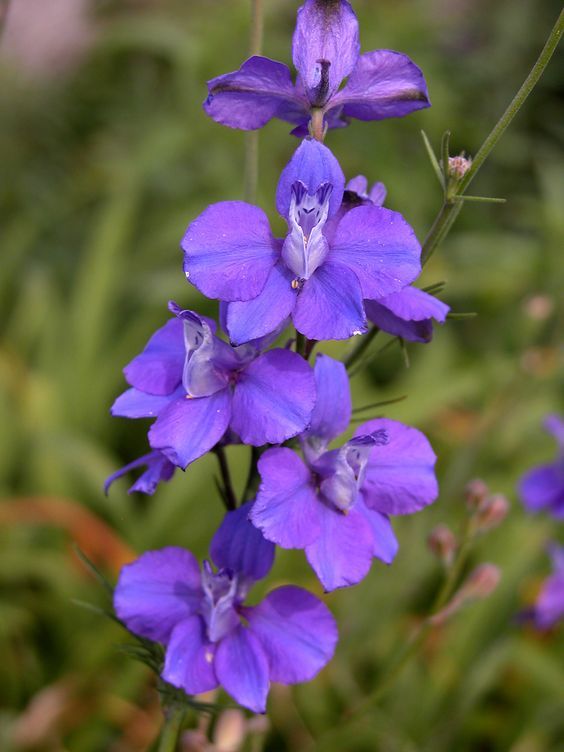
[211, 638]
[326, 50]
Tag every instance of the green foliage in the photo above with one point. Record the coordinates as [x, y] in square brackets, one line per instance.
[102, 170]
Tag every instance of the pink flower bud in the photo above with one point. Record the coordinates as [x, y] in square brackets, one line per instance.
[481, 582]
[475, 494]
[492, 512]
[459, 166]
[442, 542]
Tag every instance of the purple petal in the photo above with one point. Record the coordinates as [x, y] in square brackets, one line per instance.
[400, 476]
[239, 546]
[242, 668]
[189, 658]
[385, 542]
[297, 632]
[273, 399]
[312, 164]
[286, 509]
[229, 251]
[248, 98]
[333, 407]
[549, 607]
[543, 488]
[256, 318]
[325, 47]
[158, 469]
[342, 554]
[407, 314]
[136, 404]
[188, 428]
[384, 84]
[158, 369]
[330, 304]
[379, 247]
[554, 424]
[157, 591]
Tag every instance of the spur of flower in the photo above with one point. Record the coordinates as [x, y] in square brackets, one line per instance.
[319, 274]
[326, 50]
[408, 313]
[210, 636]
[158, 469]
[336, 503]
[542, 488]
[198, 387]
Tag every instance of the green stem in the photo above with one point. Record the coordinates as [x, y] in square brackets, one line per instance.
[171, 729]
[229, 497]
[252, 138]
[252, 476]
[361, 346]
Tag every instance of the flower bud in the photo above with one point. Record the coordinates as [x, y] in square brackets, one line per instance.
[481, 582]
[475, 494]
[230, 731]
[442, 542]
[459, 166]
[491, 513]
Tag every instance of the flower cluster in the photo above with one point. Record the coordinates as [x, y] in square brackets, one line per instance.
[344, 264]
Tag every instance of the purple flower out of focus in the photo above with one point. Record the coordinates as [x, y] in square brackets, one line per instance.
[336, 504]
[319, 274]
[549, 607]
[381, 84]
[542, 488]
[408, 313]
[211, 637]
[198, 386]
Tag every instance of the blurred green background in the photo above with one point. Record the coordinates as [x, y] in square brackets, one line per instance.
[105, 156]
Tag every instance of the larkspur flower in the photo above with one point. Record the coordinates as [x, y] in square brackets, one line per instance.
[326, 50]
[159, 469]
[319, 274]
[198, 387]
[549, 607]
[408, 313]
[542, 488]
[211, 637]
[336, 503]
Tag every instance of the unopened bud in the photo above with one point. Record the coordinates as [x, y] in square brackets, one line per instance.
[459, 166]
[475, 494]
[481, 582]
[442, 542]
[230, 731]
[492, 512]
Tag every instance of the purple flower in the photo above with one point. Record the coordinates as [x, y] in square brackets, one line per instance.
[319, 274]
[381, 84]
[336, 503]
[549, 607]
[158, 469]
[211, 637]
[198, 386]
[542, 488]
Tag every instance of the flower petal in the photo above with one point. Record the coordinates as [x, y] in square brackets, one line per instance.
[157, 591]
[238, 545]
[251, 96]
[330, 304]
[384, 84]
[543, 488]
[407, 313]
[385, 542]
[229, 251]
[136, 404]
[189, 658]
[158, 469]
[379, 247]
[296, 630]
[188, 428]
[242, 668]
[400, 476]
[325, 47]
[286, 509]
[312, 164]
[158, 369]
[333, 407]
[342, 554]
[273, 399]
[252, 319]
